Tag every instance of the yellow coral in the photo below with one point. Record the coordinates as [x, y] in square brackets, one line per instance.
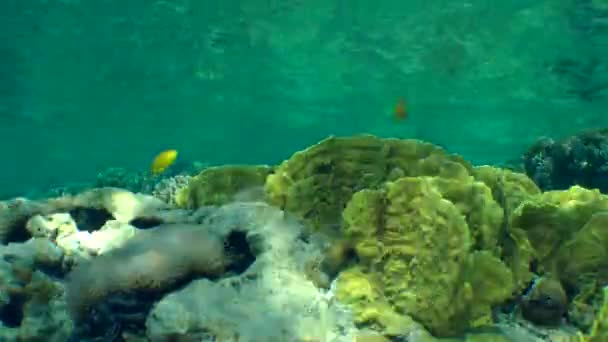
[586, 253]
[599, 330]
[564, 231]
[417, 242]
[222, 184]
[317, 183]
[370, 308]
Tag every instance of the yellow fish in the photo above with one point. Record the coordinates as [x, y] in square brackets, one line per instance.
[162, 161]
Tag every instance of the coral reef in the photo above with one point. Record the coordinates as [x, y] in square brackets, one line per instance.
[116, 177]
[580, 159]
[144, 181]
[90, 209]
[168, 189]
[223, 184]
[565, 229]
[270, 301]
[317, 183]
[352, 239]
[599, 329]
[421, 245]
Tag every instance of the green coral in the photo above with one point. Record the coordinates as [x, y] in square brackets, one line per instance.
[220, 185]
[317, 183]
[552, 219]
[585, 255]
[441, 241]
[510, 189]
[413, 234]
[599, 329]
[567, 232]
[582, 311]
[364, 296]
[486, 337]
[474, 200]
[423, 251]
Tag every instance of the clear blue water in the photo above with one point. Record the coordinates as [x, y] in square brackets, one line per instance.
[87, 85]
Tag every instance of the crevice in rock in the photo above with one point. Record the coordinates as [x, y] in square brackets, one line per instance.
[146, 222]
[90, 219]
[11, 315]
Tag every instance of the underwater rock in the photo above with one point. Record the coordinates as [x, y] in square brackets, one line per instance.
[545, 303]
[36, 253]
[580, 159]
[32, 305]
[371, 337]
[153, 260]
[51, 226]
[61, 229]
[271, 301]
[517, 329]
[90, 210]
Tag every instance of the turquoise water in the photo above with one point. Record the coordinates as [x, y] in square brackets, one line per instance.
[87, 85]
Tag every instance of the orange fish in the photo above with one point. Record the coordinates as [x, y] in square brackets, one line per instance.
[400, 112]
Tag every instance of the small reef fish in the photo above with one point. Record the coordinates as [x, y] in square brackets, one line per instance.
[400, 112]
[162, 161]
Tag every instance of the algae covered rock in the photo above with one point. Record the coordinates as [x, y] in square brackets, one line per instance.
[545, 303]
[32, 304]
[317, 183]
[219, 185]
[153, 259]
